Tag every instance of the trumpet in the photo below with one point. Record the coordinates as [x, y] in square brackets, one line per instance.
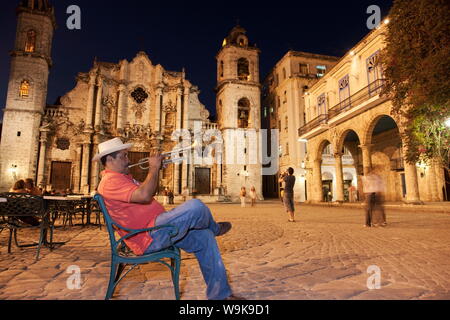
[143, 163]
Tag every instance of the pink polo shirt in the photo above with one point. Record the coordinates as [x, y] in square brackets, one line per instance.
[116, 189]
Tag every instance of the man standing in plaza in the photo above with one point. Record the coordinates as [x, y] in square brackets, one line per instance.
[288, 195]
[132, 205]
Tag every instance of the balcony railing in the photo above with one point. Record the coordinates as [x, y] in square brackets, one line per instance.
[354, 100]
[323, 118]
[357, 98]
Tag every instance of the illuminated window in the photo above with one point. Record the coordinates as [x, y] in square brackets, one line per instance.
[321, 71]
[31, 41]
[24, 89]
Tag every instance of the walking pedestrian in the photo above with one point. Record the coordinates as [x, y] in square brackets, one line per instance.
[288, 196]
[242, 195]
[373, 186]
[253, 196]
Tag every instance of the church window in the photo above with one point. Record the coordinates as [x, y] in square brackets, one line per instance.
[243, 112]
[139, 95]
[24, 89]
[243, 70]
[221, 69]
[30, 44]
[284, 73]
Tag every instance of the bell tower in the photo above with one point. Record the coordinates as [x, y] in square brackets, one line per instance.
[238, 109]
[27, 91]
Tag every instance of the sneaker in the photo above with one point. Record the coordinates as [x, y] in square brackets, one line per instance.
[224, 228]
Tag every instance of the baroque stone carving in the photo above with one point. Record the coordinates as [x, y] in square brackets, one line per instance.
[137, 132]
[170, 107]
[139, 110]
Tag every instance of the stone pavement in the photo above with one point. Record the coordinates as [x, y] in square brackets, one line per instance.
[325, 254]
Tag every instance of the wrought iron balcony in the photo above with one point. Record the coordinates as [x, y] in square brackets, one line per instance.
[351, 102]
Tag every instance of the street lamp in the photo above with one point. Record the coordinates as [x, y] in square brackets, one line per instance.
[447, 123]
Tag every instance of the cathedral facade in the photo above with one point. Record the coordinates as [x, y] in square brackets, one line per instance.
[138, 101]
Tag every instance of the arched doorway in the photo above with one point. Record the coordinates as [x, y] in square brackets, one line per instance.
[386, 156]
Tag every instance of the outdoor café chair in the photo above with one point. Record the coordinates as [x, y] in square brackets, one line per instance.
[18, 210]
[120, 258]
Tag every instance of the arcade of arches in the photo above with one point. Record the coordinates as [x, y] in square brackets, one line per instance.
[368, 142]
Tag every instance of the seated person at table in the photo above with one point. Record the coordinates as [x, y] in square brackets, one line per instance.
[19, 187]
[31, 188]
[131, 205]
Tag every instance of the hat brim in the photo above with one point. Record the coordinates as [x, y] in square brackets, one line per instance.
[106, 152]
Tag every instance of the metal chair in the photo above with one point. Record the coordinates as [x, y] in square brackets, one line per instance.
[120, 258]
[25, 211]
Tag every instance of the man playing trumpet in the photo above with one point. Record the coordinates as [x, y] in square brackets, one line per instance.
[132, 205]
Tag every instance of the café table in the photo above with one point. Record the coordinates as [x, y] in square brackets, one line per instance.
[70, 204]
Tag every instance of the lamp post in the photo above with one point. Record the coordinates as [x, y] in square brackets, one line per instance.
[447, 123]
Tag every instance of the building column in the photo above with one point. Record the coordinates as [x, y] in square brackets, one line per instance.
[317, 192]
[41, 166]
[158, 109]
[120, 106]
[339, 177]
[366, 158]
[98, 105]
[76, 176]
[85, 169]
[412, 186]
[90, 102]
[178, 126]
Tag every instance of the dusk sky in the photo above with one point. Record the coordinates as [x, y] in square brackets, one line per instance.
[188, 34]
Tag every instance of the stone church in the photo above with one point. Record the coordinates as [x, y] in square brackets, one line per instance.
[138, 101]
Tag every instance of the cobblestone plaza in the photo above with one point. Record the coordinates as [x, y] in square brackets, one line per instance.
[325, 254]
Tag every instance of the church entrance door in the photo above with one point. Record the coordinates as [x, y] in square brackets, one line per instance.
[60, 176]
[137, 172]
[202, 180]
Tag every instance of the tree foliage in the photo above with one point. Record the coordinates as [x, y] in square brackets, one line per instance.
[416, 64]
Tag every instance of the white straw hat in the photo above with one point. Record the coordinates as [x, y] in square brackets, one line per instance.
[110, 146]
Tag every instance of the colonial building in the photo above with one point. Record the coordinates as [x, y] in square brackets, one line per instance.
[284, 110]
[138, 101]
[346, 115]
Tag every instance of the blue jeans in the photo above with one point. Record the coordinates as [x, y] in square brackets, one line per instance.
[196, 234]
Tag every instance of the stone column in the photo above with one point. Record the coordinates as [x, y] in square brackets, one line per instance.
[317, 193]
[42, 152]
[412, 187]
[178, 126]
[366, 158]
[90, 103]
[158, 109]
[120, 107]
[95, 166]
[77, 177]
[85, 168]
[339, 177]
[432, 181]
[98, 105]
